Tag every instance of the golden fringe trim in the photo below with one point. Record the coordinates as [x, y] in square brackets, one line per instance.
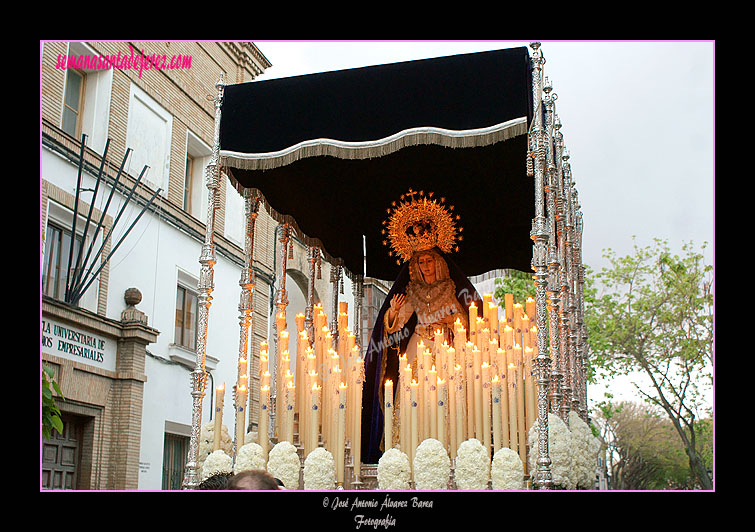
[371, 149]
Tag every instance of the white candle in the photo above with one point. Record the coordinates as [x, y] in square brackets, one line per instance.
[414, 387]
[262, 437]
[340, 436]
[441, 412]
[218, 427]
[485, 371]
[513, 426]
[388, 419]
[497, 433]
[432, 380]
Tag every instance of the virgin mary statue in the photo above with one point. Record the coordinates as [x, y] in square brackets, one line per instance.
[429, 294]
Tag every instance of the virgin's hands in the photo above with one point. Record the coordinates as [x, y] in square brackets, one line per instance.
[397, 302]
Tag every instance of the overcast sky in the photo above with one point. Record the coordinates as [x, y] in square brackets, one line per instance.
[638, 121]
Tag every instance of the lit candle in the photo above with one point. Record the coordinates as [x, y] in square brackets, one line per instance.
[530, 307]
[414, 387]
[218, 427]
[314, 422]
[469, 370]
[496, 395]
[476, 355]
[388, 418]
[512, 385]
[529, 388]
[460, 422]
[485, 370]
[521, 420]
[441, 412]
[288, 415]
[241, 391]
[264, 418]
[432, 379]
[299, 323]
[484, 344]
[472, 321]
[451, 401]
[340, 436]
[493, 319]
[356, 444]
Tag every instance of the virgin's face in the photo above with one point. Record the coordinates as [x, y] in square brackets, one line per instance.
[427, 267]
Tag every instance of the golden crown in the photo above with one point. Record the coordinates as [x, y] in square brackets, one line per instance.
[417, 222]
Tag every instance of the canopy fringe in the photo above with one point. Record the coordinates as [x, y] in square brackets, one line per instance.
[371, 149]
[296, 230]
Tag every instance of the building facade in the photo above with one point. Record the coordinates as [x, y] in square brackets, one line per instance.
[123, 350]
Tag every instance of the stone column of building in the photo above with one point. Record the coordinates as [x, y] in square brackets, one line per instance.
[128, 392]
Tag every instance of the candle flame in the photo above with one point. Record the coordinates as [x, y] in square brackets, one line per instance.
[221, 387]
[265, 388]
[389, 382]
[342, 386]
[495, 379]
[414, 382]
[433, 368]
[512, 365]
[441, 381]
[485, 365]
[290, 385]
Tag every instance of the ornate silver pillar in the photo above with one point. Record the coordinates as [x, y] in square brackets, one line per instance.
[206, 285]
[552, 294]
[246, 300]
[563, 215]
[539, 234]
[358, 291]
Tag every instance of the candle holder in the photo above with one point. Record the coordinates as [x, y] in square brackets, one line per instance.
[207, 261]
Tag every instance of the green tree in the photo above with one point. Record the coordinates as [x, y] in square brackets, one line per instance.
[519, 284]
[50, 411]
[652, 312]
[644, 452]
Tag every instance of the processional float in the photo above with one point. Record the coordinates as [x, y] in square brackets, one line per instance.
[327, 154]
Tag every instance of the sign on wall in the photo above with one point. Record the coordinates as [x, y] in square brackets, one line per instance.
[72, 343]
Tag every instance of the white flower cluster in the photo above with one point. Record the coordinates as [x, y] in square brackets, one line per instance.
[207, 439]
[432, 466]
[393, 470]
[217, 462]
[559, 449]
[472, 466]
[249, 457]
[584, 451]
[507, 470]
[283, 463]
[319, 470]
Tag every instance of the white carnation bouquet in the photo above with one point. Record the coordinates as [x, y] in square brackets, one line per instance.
[507, 470]
[207, 439]
[432, 466]
[319, 470]
[284, 464]
[249, 457]
[472, 470]
[217, 462]
[584, 449]
[393, 470]
[559, 449]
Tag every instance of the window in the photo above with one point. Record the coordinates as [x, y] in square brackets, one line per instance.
[187, 182]
[186, 318]
[72, 103]
[175, 451]
[197, 158]
[55, 262]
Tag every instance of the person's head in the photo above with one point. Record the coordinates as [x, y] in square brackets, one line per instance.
[257, 479]
[427, 266]
[218, 481]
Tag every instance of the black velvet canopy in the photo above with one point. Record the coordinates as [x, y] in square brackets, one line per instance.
[330, 152]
